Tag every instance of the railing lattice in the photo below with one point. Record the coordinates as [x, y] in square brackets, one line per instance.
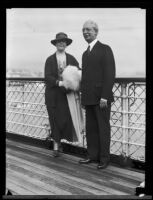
[26, 114]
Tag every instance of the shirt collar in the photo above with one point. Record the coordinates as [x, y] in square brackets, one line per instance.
[92, 44]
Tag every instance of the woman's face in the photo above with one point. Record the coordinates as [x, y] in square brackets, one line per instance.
[61, 46]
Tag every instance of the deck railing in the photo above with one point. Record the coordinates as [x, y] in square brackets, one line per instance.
[26, 114]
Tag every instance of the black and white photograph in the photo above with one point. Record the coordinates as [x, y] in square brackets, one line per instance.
[76, 102]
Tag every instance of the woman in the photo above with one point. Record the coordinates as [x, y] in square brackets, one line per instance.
[56, 94]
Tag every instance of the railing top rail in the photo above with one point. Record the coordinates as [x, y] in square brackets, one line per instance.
[25, 78]
[130, 79]
[117, 79]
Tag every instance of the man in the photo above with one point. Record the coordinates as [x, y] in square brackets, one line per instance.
[98, 75]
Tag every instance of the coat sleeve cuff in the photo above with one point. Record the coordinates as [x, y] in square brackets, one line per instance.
[103, 99]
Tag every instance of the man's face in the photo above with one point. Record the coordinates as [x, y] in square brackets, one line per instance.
[89, 32]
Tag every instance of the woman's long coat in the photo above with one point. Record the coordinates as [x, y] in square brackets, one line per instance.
[56, 100]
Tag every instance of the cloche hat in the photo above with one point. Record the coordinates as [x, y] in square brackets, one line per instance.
[61, 37]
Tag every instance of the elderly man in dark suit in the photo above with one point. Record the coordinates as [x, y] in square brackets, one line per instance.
[98, 74]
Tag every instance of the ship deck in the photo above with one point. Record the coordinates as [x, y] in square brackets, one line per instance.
[32, 170]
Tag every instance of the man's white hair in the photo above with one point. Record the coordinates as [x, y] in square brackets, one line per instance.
[94, 24]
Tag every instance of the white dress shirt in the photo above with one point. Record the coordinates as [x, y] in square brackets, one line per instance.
[92, 44]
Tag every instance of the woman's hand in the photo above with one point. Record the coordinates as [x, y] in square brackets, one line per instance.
[62, 87]
[60, 84]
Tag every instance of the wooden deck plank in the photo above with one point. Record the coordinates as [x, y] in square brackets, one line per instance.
[56, 175]
[16, 188]
[60, 165]
[20, 180]
[71, 181]
[34, 184]
[79, 170]
[49, 178]
[98, 180]
[107, 180]
[111, 170]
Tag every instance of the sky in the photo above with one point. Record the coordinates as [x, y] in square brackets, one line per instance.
[30, 30]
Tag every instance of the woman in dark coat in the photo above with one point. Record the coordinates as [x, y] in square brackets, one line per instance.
[56, 94]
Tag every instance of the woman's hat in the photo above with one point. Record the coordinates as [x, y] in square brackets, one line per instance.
[61, 37]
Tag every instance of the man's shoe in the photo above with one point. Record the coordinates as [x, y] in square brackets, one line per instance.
[102, 165]
[85, 161]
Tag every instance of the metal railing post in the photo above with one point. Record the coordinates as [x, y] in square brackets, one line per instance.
[84, 131]
[124, 110]
[23, 107]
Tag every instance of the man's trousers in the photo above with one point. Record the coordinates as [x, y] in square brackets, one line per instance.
[98, 132]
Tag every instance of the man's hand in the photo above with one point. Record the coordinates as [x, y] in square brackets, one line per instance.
[103, 103]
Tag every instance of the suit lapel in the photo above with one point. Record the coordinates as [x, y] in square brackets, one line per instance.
[94, 47]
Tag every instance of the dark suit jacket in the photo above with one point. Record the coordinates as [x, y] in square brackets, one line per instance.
[51, 76]
[98, 74]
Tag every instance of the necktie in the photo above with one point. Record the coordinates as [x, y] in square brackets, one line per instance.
[88, 50]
